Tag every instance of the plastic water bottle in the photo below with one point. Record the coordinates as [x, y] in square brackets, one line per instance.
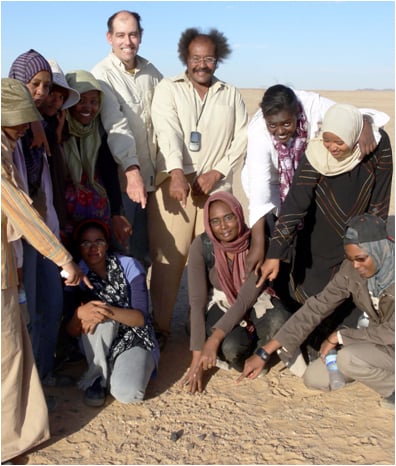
[363, 321]
[336, 378]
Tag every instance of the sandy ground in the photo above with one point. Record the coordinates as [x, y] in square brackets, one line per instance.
[271, 420]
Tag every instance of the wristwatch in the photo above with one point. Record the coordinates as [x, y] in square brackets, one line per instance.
[263, 354]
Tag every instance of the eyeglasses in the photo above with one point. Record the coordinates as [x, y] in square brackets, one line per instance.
[99, 243]
[215, 222]
[206, 60]
[358, 259]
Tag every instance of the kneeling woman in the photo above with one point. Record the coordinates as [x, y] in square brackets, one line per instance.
[230, 310]
[367, 354]
[114, 322]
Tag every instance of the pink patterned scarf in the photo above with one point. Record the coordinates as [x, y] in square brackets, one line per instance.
[289, 156]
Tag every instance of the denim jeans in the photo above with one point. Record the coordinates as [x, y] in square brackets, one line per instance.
[44, 294]
[128, 380]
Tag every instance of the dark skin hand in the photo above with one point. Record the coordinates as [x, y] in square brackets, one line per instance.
[205, 183]
[179, 187]
[367, 142]
[269, 271]
[39, 137]
[327, 345]
[122, 229]
[254, 365]
[192, 379]
[202, 361]
[93, 313]
[252, 368]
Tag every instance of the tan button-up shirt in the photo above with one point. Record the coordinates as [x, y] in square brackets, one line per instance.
[126, 115]
[220, 117]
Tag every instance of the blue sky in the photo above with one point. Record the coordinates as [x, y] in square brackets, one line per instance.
[308, 45]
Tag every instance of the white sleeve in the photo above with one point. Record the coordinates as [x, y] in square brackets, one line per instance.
[259, 175]
[120, 138]
[315, 107]
[380, 119]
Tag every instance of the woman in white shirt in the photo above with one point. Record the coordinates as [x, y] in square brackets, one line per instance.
[277, 137]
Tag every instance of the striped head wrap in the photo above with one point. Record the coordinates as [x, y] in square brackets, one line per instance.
[27, 65]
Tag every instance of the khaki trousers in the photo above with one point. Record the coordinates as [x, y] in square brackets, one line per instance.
[171, 230]
[24, 415]
[368, 363]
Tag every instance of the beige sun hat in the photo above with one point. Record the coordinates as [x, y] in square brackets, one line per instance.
[17, 106]
[58, 78]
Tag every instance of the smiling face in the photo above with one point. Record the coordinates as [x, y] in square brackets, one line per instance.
[282, 125]
[200, 65]
[125, 39]
[93, 247]
[362, 262]
[335, 145]
[223, 222]
[87, 108]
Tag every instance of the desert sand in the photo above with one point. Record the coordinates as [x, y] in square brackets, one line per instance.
[271, 420]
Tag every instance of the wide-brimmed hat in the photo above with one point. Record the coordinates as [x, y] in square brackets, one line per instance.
[59, 79]
[17, 106]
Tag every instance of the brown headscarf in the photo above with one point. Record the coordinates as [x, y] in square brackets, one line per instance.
[230, 279]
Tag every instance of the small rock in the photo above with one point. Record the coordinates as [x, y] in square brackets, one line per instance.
[176, 435]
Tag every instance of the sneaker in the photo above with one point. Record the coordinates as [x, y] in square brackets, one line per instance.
[388, 401]
[95, 394]
[58, 380]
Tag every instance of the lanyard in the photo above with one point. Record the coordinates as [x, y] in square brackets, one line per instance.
[196, 107]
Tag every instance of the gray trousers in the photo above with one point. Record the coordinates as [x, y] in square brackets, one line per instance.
[367, 363]
[132, 370]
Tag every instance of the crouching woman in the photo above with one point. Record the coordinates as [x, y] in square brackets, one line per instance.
[113, 320]
[367, 354]
[230, 316]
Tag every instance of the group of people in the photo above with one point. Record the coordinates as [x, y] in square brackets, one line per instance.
[121, 170]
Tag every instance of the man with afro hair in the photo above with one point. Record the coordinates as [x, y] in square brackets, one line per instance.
[201, 126]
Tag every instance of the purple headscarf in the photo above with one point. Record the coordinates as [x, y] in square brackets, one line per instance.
[28, 65]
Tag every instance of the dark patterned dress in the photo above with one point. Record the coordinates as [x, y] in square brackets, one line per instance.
[309, 231]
